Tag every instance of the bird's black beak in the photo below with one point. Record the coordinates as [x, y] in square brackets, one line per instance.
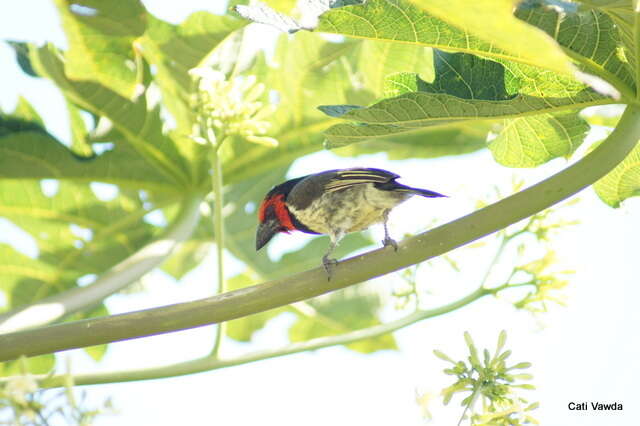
[266, 231]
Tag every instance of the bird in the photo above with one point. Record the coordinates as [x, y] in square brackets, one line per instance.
[333, 202]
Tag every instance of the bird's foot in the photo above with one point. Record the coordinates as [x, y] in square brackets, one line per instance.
[329, 264]
[388, 241]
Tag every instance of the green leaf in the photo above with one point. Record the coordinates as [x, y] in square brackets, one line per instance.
[428, 142]
[77, 235]
[138, 124]
[493, 21]
[468, 77]
[189, 254]
[22, 56]
[400, 83]
[469, 341]
[622, 182]
[520, 365]
[175, 49]
[28, 152]
[420, 109]
[592, 38]
[531, 141]
[242, 329]
[502, 340]
[20, 271]
[25, 112]
[80, 143]
[99, 351]
[465, 88]
[341, 312]
[101, 36]
[400, 21]
[622, 13]
[42, 364]
[443, 356]
[375, 60]
[96, 352]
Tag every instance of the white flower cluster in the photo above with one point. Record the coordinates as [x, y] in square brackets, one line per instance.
[16, 392]
[233, 105]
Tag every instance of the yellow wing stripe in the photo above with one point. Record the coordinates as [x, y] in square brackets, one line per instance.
[349, 178]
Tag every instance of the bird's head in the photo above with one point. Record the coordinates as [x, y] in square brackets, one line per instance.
[273, 215]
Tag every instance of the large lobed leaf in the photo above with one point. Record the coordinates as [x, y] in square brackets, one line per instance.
[76, 234]
[622, 182]
[28, 151]
[589, 36]
[176, 49]
[341, 312]
[493, 21]
[138, 124]
[466, 89]
[531, 141]
[459, 26]
[101, 36]
[623, 15]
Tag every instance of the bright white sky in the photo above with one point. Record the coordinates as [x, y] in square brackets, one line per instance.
[587, 351]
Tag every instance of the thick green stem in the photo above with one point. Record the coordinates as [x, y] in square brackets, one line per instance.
[208, 363]
[280, 292]
[121, 275]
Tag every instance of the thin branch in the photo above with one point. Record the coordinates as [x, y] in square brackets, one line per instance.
[471, 403]
[280, 292]
[53, 308]
[207, 363]
[218, 225]
[636, 43]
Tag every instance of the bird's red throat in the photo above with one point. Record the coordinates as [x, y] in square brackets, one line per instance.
[280, 209]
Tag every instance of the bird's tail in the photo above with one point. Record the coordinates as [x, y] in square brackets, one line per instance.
[398, 187]
[422, 192]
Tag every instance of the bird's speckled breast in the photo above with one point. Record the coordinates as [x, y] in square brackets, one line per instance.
[349, 210]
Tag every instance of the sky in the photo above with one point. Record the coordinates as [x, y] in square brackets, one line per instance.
[586, 351]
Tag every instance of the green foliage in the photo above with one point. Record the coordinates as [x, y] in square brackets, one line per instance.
[401, 21]
[342, 312]
[623, 182]
[531, 141]
[487, 377]
[157, 109]
[100, 38]
[77, 234]
[521, 88]
[243, 329]
[513, 38]
[590, 36]
[22, 402]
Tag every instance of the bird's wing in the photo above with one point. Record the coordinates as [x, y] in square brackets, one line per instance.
[314, 186]
[348, 177]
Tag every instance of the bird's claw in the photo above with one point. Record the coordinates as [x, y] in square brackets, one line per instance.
[328, 265]
[390, 242]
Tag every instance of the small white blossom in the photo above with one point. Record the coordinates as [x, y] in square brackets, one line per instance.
[233, 105]
[18, 387]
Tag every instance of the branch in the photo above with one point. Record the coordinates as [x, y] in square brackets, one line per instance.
[208, 363]
[636, 43]
[121, 275]
[280, 292]
[218, 226]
